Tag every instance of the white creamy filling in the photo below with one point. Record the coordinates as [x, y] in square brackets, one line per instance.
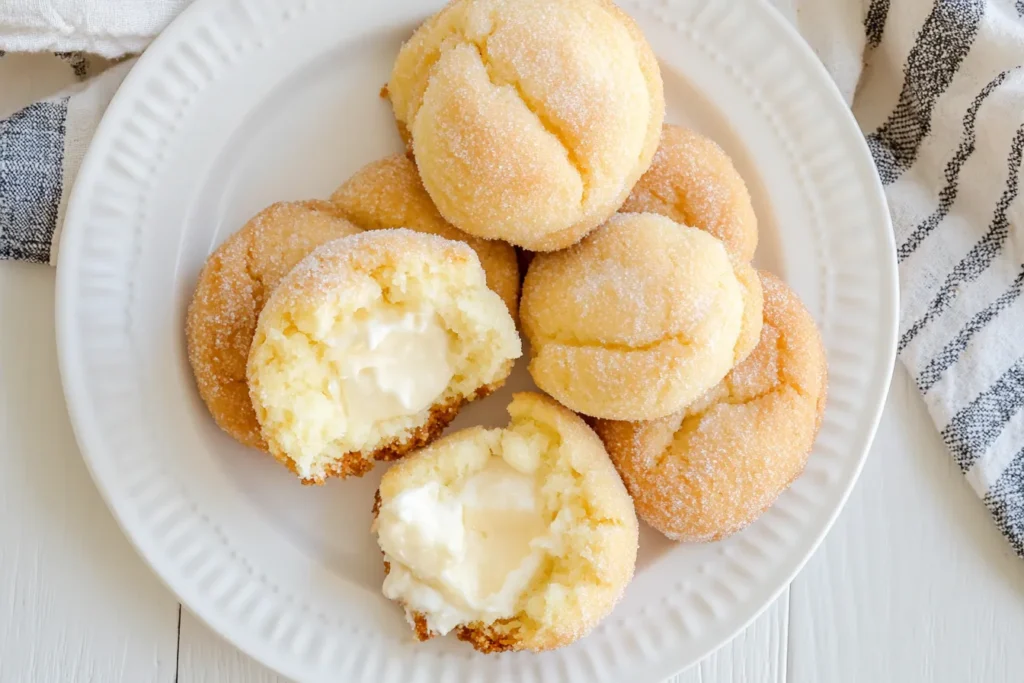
[467, 552]
[391, 365]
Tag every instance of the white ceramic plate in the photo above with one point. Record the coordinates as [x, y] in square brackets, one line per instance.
[244, 102]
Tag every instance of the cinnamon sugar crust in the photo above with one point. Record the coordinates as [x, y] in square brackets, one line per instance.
[710, 470]
[693, 181]
[231, 291]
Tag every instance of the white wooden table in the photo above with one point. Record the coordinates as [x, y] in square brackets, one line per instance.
[913, 583]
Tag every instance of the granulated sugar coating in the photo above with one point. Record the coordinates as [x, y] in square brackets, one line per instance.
[712, 469]
[693, 182]
[530, 120]
[388, 194]
[233, 286]
[368, 348]
[639, 319]
[753, 302]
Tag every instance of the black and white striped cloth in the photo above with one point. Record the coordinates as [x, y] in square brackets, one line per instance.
[42, 145]
[938, 89]
[941, 101]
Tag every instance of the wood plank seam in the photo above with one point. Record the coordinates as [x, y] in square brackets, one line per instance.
[177, 647]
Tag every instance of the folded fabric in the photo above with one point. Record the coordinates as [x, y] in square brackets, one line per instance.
[41, 149]
[104, 27]
[941, 101]
[938, 89]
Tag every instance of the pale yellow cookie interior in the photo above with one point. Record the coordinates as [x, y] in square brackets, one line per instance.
[368, 341]
[753, 305]
[530, 120]
[520, 538]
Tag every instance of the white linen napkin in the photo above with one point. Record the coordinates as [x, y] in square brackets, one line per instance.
[936, 85]
[109, 28]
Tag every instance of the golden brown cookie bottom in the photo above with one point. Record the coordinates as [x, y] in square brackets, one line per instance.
[356, 464]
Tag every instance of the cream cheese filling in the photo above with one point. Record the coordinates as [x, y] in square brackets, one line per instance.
[391, 365]
[465, 552]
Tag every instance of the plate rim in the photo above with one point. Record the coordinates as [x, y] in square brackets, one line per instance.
[74, 383]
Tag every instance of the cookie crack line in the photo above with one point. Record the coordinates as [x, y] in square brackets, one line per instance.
[259, 287]
[534, 108]
[572, 343]
[694, 419]
[258, 300]
[676, 203]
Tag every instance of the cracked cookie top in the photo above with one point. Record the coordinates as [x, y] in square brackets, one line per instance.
[388, 194]
[639, 319]
[530, 120]
[233, 286]
[710, 470]
[694, 182]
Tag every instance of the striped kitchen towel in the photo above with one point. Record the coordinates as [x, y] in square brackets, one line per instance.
[42, 145]
[941, 101]
[938, 89]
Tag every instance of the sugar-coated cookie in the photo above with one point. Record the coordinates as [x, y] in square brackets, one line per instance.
[639, 319]
[389, 194]
[520, 538]
[693, 182]
[712, 469]
[232, 288]
[530, 120]
[370, 346]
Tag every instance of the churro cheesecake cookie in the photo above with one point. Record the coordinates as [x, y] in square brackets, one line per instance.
[639, 319]
[712, 469]
[369, 347]
[693, 182]
[520, 538]
[232, 288]
[530, 120]
[389, 194]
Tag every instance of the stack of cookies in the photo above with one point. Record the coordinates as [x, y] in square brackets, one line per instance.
[680, 384]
